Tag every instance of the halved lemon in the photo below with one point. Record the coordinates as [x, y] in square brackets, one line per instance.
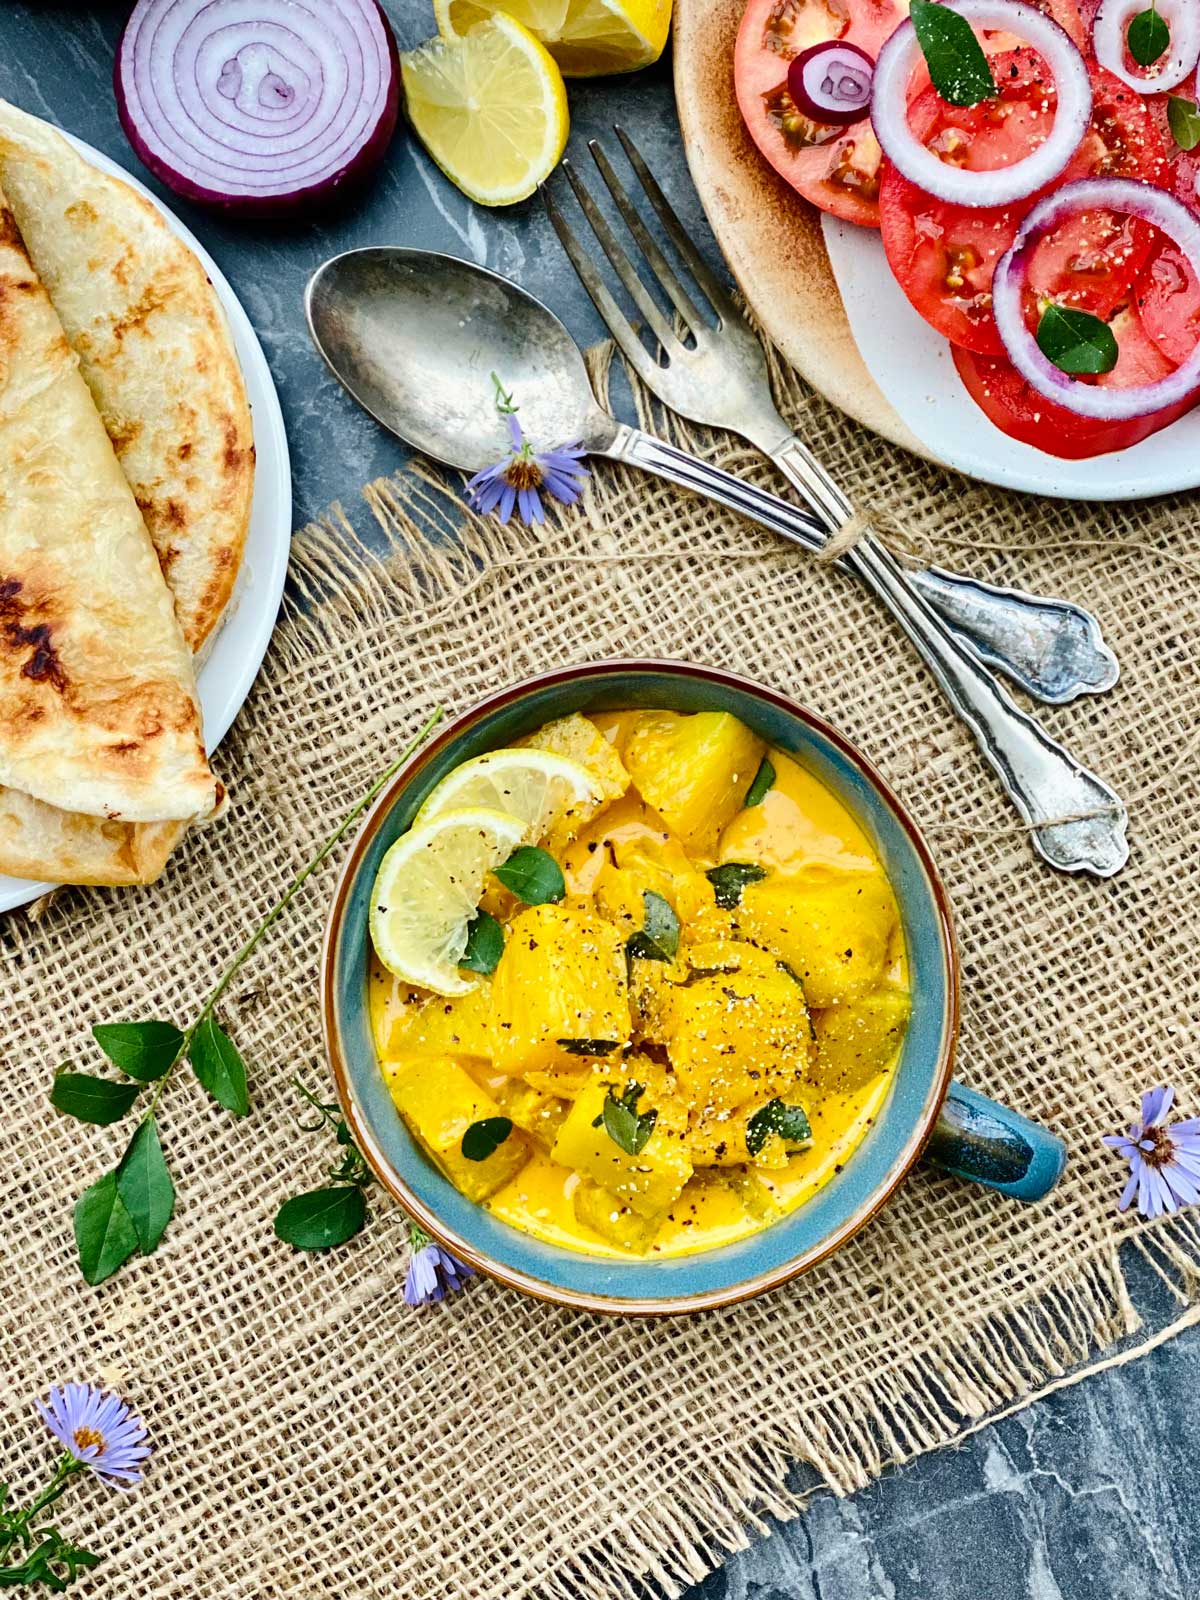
[536, 786]
[490, 107]
[585, 37]
[428, 888]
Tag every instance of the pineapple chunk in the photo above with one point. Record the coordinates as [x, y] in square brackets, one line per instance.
[695, 770]
[833, 932]
[561, 977]
[737, 1034]
[440, 1101]
[718, 1139]
[441, 1026]
[541, 1115]
[648, 1181]
[615, 1223]
[582, 742]
[859, 1039]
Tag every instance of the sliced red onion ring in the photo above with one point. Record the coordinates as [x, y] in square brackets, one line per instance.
[831, 82]
[1133, 198]
[1168, 72]
[962, 185]
[258, 105]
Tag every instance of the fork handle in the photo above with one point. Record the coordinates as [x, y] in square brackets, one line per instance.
[1053, 649]
[1076, 821]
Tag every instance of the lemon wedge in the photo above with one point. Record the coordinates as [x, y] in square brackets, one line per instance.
[586, 37]
[490, 107]
[428, 888]
[535, 786]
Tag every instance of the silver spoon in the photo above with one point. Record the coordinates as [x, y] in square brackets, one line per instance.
[415, 335]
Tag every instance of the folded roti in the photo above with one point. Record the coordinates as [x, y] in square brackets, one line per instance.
[98, 706]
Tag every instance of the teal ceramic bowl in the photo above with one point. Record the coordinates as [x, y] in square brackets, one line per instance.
[978, 1140]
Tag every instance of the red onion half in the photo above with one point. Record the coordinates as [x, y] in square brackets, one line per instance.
[1132, 198]
[831, 82]
[258, 105]
[1108, 40]
[966, 186]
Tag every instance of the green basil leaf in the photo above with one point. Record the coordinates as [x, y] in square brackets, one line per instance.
[96, 1100]
[588, 1047]
[953, 54]
[145, 1186]
[764, 780]
[482, 1139]
[659, 938]
[485, 943]
[142, 1049]
[789, 1122]
[533, 876]
[1075, 340]
[628, 1128]
[219, 1067]
[104, 1233]
[730, 878]
[1148, 37]
[321, 1218]
[1183, 117]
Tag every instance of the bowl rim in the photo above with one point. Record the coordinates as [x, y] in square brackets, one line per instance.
[513, 1277]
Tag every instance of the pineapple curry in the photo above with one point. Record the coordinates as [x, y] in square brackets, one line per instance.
[669, 1015]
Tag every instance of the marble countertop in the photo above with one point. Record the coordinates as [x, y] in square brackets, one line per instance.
[1091, 1494]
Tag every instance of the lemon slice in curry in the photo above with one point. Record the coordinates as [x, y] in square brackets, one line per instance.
[536, 786]
[428, 888]
[585, 37]
[490, 107]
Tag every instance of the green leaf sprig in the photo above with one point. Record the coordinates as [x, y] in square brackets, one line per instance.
[957, 65]
[1183, 119]
[42, 1554]
[1147, 36]
[533, 875]
[789, 1122]
[483, 1138]
[658, 939]
[127, 1209]
[730, 878]
[334, 1213]
[485, 944]
[761, 784]
[1076, 341]
[626, 1126]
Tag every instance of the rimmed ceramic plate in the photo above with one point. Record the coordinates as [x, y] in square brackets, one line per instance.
[823, 293]
[241, 642]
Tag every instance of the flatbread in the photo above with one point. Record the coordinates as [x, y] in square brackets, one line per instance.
[98, 706]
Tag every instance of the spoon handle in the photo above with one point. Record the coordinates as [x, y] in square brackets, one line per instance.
[1076, 822]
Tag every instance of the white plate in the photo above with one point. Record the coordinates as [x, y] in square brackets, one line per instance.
[911, 364]
[242, 639]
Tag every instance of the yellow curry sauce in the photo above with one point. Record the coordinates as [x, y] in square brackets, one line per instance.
[818, 922]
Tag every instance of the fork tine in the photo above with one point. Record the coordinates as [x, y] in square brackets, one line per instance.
[667, 277]
[617, 323]
[718, 296]
[620, 262]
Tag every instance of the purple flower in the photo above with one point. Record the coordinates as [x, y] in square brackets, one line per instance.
[432, 1274]
[515, 481]
[1163, 1157]
[98, 1430]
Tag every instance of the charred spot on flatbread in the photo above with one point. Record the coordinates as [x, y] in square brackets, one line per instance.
[31, 640]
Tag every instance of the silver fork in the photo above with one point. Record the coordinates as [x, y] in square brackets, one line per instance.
[1053, 649]
[1076, 822]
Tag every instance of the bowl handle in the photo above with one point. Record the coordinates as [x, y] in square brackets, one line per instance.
[987, 1143]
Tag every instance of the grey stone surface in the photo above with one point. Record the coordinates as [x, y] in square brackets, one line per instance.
[1094, 1493]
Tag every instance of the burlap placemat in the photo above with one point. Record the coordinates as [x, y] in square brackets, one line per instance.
[315, 1437]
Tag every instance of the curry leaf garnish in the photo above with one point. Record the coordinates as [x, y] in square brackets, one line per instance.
[626, 1126]
[764, 780]
[789, 1122]
[1148, 36]
[588, 1047]
[483, 1138]
[322, 1218]
[1075, 340]
[730, 878]
[659, 936]
[533, 875]
[129, 1207]
[485, 943]
[953, 54]
[1183, 118]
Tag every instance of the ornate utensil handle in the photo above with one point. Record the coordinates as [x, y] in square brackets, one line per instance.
[1053, 649]
[1076, 822]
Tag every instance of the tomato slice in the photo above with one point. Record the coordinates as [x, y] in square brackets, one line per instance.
[1167, 298]
[836, 168]
[944, 255]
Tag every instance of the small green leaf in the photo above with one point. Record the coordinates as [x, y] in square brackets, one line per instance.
[145, 1186]
[142, 1049]
[321, 1218]
[485, 943]
[482, 1139]
[953, 54]
[628, 1128]
[659, 938]
[533, 876]
[1075, 340]
[588, 1047]
[1148, 37]
[104, 1233]
[764, 780]
[789, 1122]
[220, 1068]
[730, 878]
[1183, 117]
[96, 1100]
